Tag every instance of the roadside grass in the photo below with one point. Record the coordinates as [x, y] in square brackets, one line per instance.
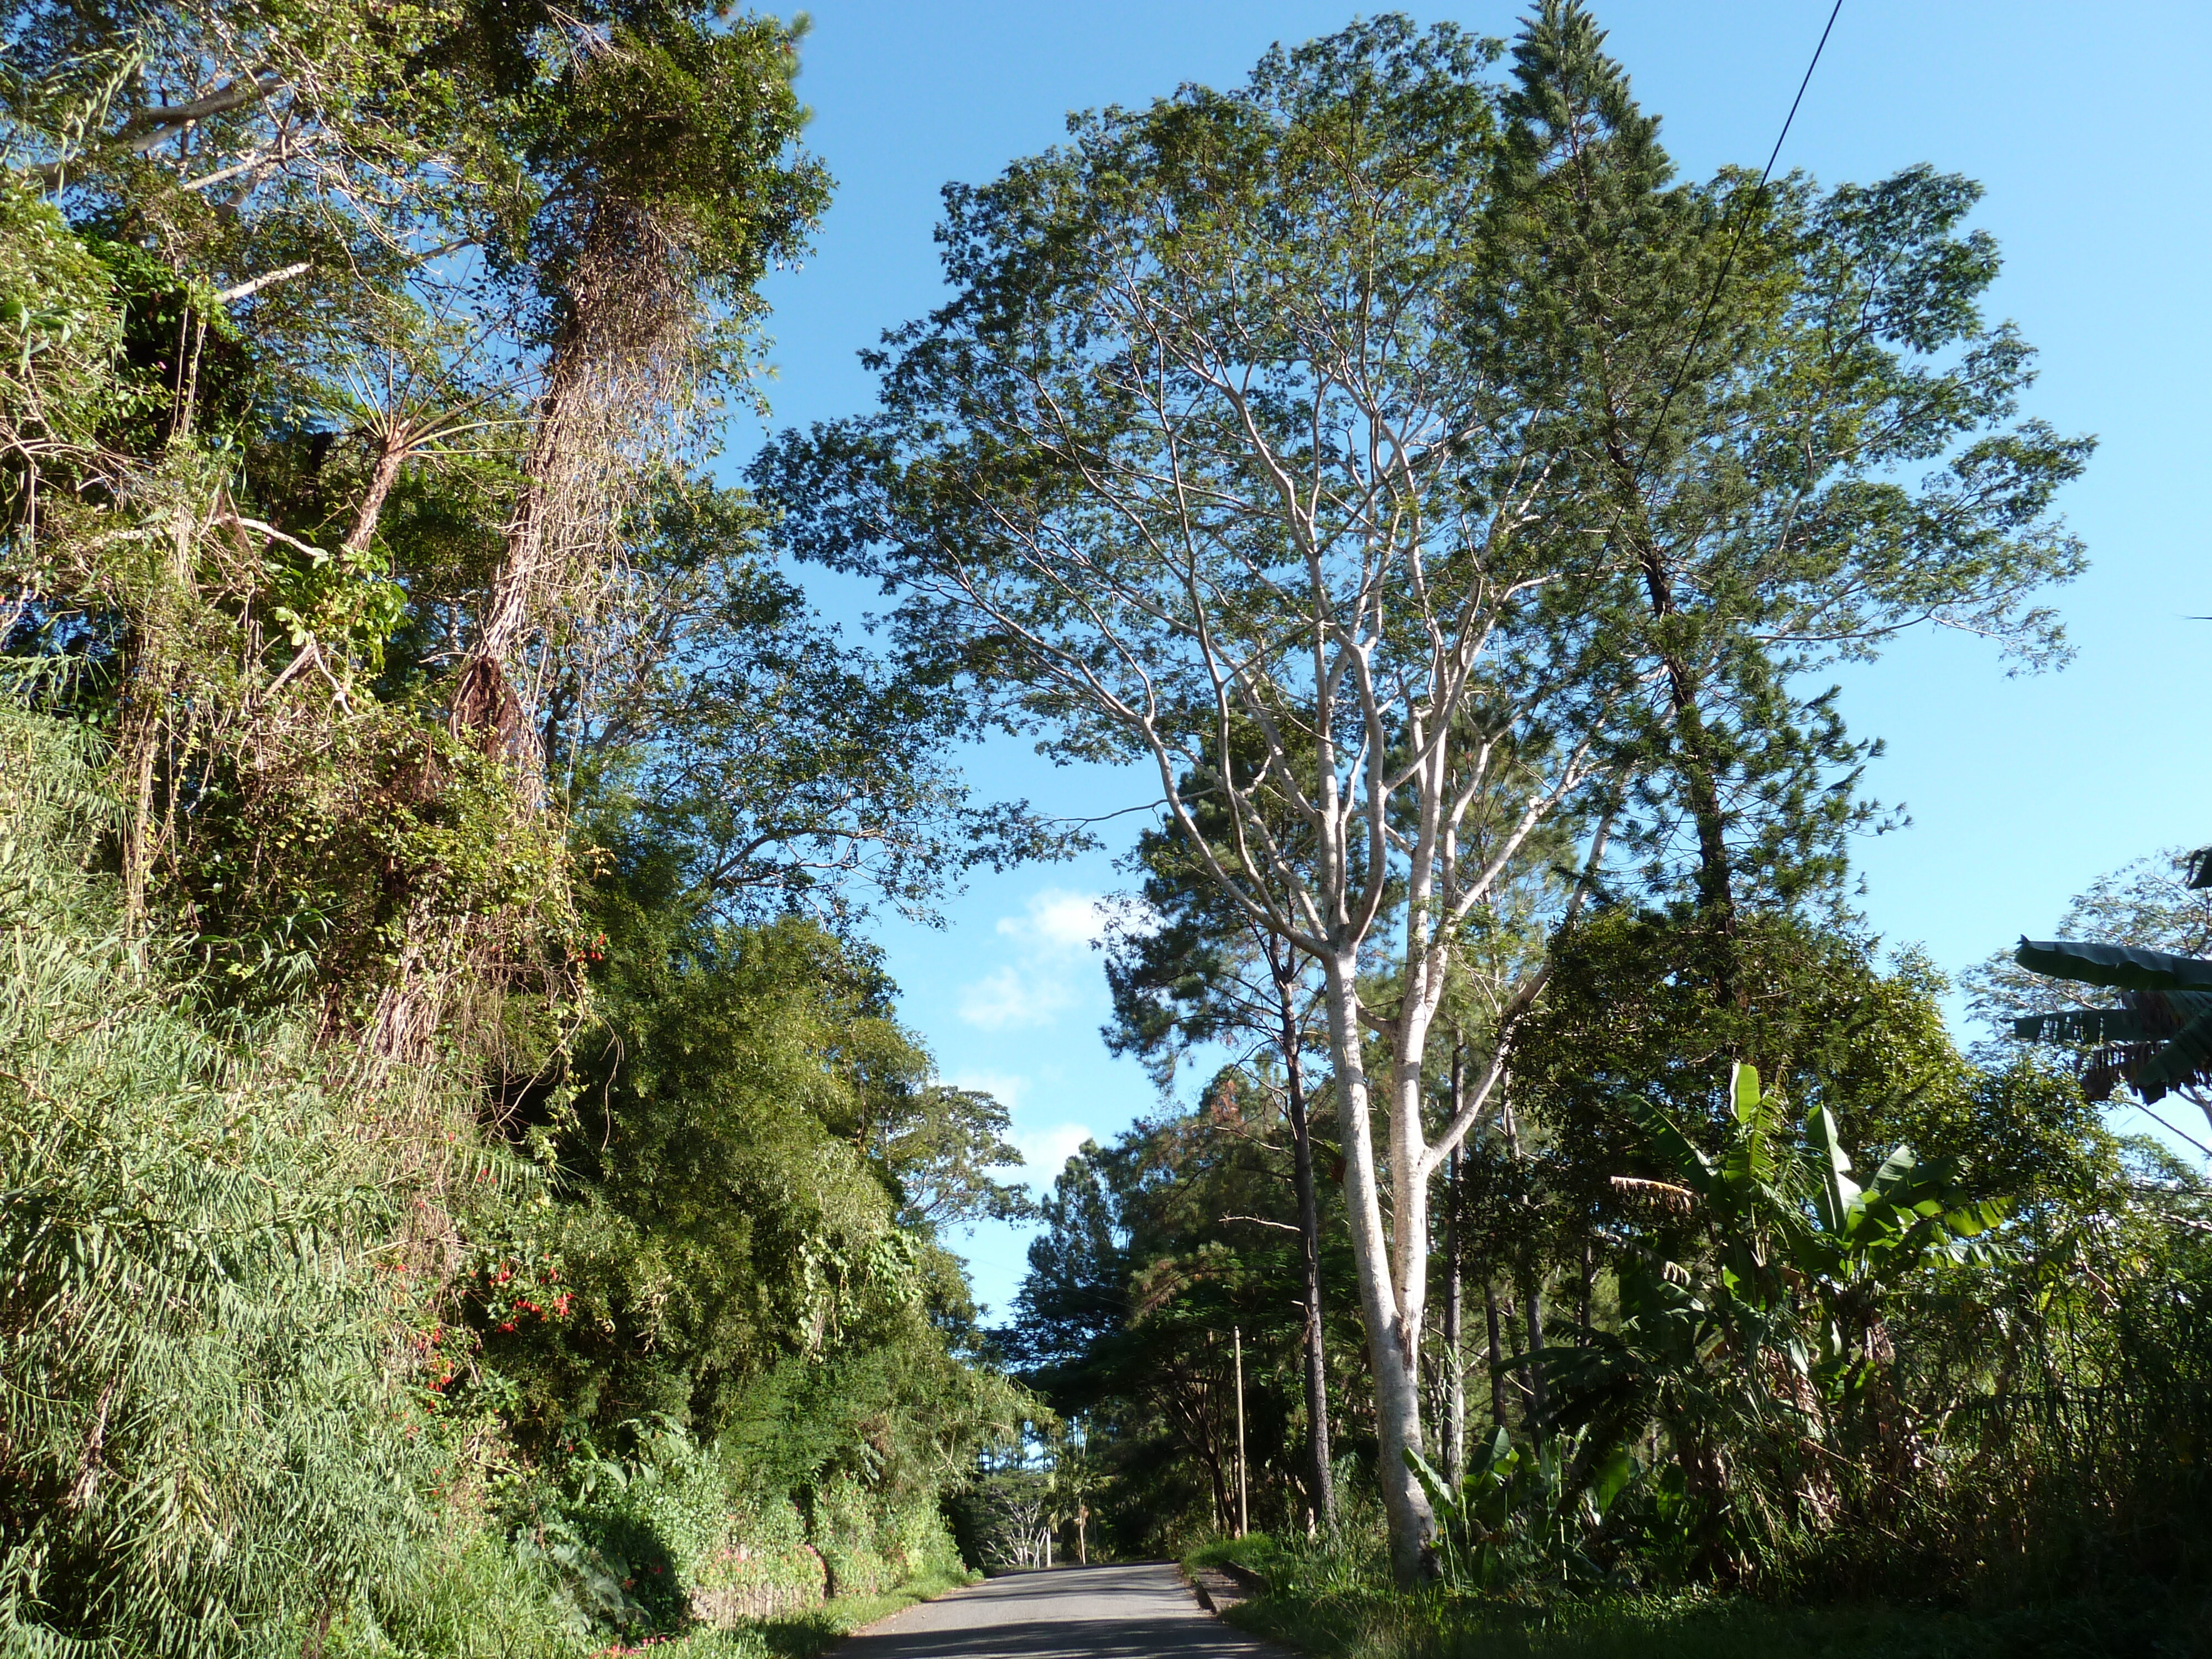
[804, 1635]
[1336, 1604]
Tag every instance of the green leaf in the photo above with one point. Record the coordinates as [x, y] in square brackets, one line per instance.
[1610, 1477]
[1441, 1498]
[1488, 1457]
[1896, 1174]
[2127, 966]
[1743, 1090]
[1751, 1161]
[2082, 1025]
[1908, 1183]
[1839, 1194]
[1689, 1162]
[1973, 1220]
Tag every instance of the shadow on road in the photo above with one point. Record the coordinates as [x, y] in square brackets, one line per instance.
[1119, 1612]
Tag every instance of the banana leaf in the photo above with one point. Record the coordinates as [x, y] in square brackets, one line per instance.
[1838, 1195]
[2184, 1060]
[2200, 868]
[1690, 1165]
[1745, 1094]
[2142, 1017]
[2124, 965]
[1906, 1180]
[2083, 1025]
[1751, 1160]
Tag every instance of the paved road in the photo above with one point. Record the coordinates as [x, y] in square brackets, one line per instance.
[1070, 1612]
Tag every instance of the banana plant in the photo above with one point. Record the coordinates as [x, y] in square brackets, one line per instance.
[1752, 1338]
[1746, 1193]
[2159, 1038]
[1802, 1256]
[1774, 1202]
[1913, 1214]
[1535, 1505]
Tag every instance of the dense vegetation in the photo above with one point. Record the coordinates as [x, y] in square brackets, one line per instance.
[1456, 514]
[463, 1184]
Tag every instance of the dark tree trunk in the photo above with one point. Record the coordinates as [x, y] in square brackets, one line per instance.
[1199, 1413]
[1693, 749]
[1317, 1451]
[1285, 967]
[1532, 1283]
[1497, 1354]
[1532, 1315]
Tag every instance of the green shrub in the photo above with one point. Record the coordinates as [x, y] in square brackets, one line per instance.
[846, 1530]
[765, 1569]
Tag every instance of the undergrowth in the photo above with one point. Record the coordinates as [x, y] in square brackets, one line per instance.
[1338, 1602]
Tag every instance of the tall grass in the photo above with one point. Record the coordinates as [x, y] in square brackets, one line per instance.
[208, 1444]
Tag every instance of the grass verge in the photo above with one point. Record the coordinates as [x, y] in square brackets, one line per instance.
[803, 1635]
[1338, 1608]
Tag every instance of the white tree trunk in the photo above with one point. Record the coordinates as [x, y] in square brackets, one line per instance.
[1397, 1387]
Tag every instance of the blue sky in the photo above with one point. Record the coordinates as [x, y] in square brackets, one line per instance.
[2085, 124]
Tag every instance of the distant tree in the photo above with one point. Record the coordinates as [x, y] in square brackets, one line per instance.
[1153, 1250]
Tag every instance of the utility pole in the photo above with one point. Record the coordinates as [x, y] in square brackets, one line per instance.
[1244, 1508]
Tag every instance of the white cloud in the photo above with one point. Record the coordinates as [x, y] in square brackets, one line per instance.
[1011, 997]
[1007, 1088]
[1045, 1152]
[1059, 923]
[1053, 937]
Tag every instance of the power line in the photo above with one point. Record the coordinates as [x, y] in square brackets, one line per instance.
[1728, 266]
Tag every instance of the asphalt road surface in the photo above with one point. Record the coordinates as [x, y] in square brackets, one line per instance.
[1070, 1612]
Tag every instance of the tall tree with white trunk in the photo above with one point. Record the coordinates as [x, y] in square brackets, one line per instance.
[1261, 442]
[1200, 452]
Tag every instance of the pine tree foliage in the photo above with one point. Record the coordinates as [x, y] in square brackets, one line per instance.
[1794, 426]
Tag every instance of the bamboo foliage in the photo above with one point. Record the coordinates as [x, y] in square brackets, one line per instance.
[196, 1345]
